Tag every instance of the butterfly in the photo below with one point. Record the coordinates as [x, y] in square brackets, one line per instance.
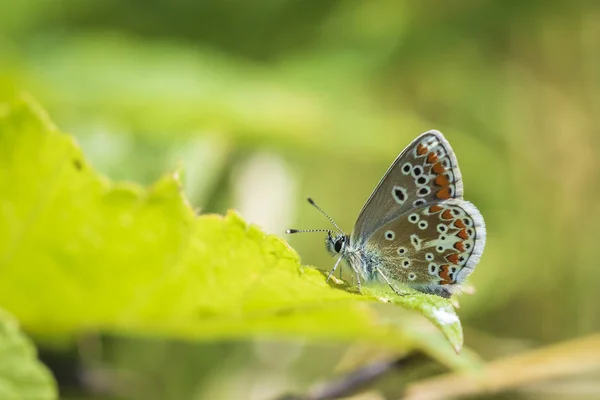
[415, 229]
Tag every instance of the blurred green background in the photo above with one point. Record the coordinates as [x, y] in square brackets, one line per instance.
[266, 102]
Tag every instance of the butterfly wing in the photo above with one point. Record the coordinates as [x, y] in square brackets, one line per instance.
[426, 172]
[433, 248]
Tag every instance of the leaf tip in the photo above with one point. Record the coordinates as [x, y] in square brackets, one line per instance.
[457, 347]
[178, 174]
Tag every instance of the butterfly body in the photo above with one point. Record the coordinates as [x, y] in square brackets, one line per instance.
[415, 229]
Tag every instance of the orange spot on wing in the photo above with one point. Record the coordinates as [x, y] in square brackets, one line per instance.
[462, 234]
[435, 208]
[443, 271]
[432, 158]
[447, 214]
[445, 275]
[442, 180]
[438, 168]
[459, 224]
[444, 193]
[421, 149]
[459, 246]
[453, 258]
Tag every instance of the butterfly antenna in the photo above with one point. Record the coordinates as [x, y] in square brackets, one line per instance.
[306, 230]
[312, 203]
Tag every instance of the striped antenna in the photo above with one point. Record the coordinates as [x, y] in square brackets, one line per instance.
[312, 203]
[306, 230]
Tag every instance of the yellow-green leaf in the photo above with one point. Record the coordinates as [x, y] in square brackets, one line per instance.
[22, 376]
[78, 252]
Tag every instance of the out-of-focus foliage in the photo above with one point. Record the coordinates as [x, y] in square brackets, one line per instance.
[22, 376]
[318, 99]
[571, 358]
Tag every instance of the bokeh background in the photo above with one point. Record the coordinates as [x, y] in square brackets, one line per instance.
[266, 102]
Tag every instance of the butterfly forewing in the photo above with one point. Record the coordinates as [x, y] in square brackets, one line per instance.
[425, 173]
[432, 248]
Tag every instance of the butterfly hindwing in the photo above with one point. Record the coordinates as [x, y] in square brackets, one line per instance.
[433, 248]
[425, 173]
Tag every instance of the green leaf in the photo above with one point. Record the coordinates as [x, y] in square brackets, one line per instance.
[22, 376]
[436, 309]
[78, 252]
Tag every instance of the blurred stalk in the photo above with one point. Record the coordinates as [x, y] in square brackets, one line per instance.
[571, 358]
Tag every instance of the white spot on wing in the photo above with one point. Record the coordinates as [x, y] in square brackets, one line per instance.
[417, 171]
[416, 241]
[399, 194]
[433, 269]
[423, 190]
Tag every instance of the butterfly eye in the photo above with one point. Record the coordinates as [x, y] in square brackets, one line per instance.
[412, 276]
[441, 228]
[429, 257]
[413, 218]
[401, 250]
[406, 263]
[390, 235]
[338, 245]
[423, 224]
[406, 168]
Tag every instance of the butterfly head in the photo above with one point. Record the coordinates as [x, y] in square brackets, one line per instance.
[336, 243]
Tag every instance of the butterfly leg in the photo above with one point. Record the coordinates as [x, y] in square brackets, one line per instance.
[357, 280]
[334, 268]
[390, 283]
